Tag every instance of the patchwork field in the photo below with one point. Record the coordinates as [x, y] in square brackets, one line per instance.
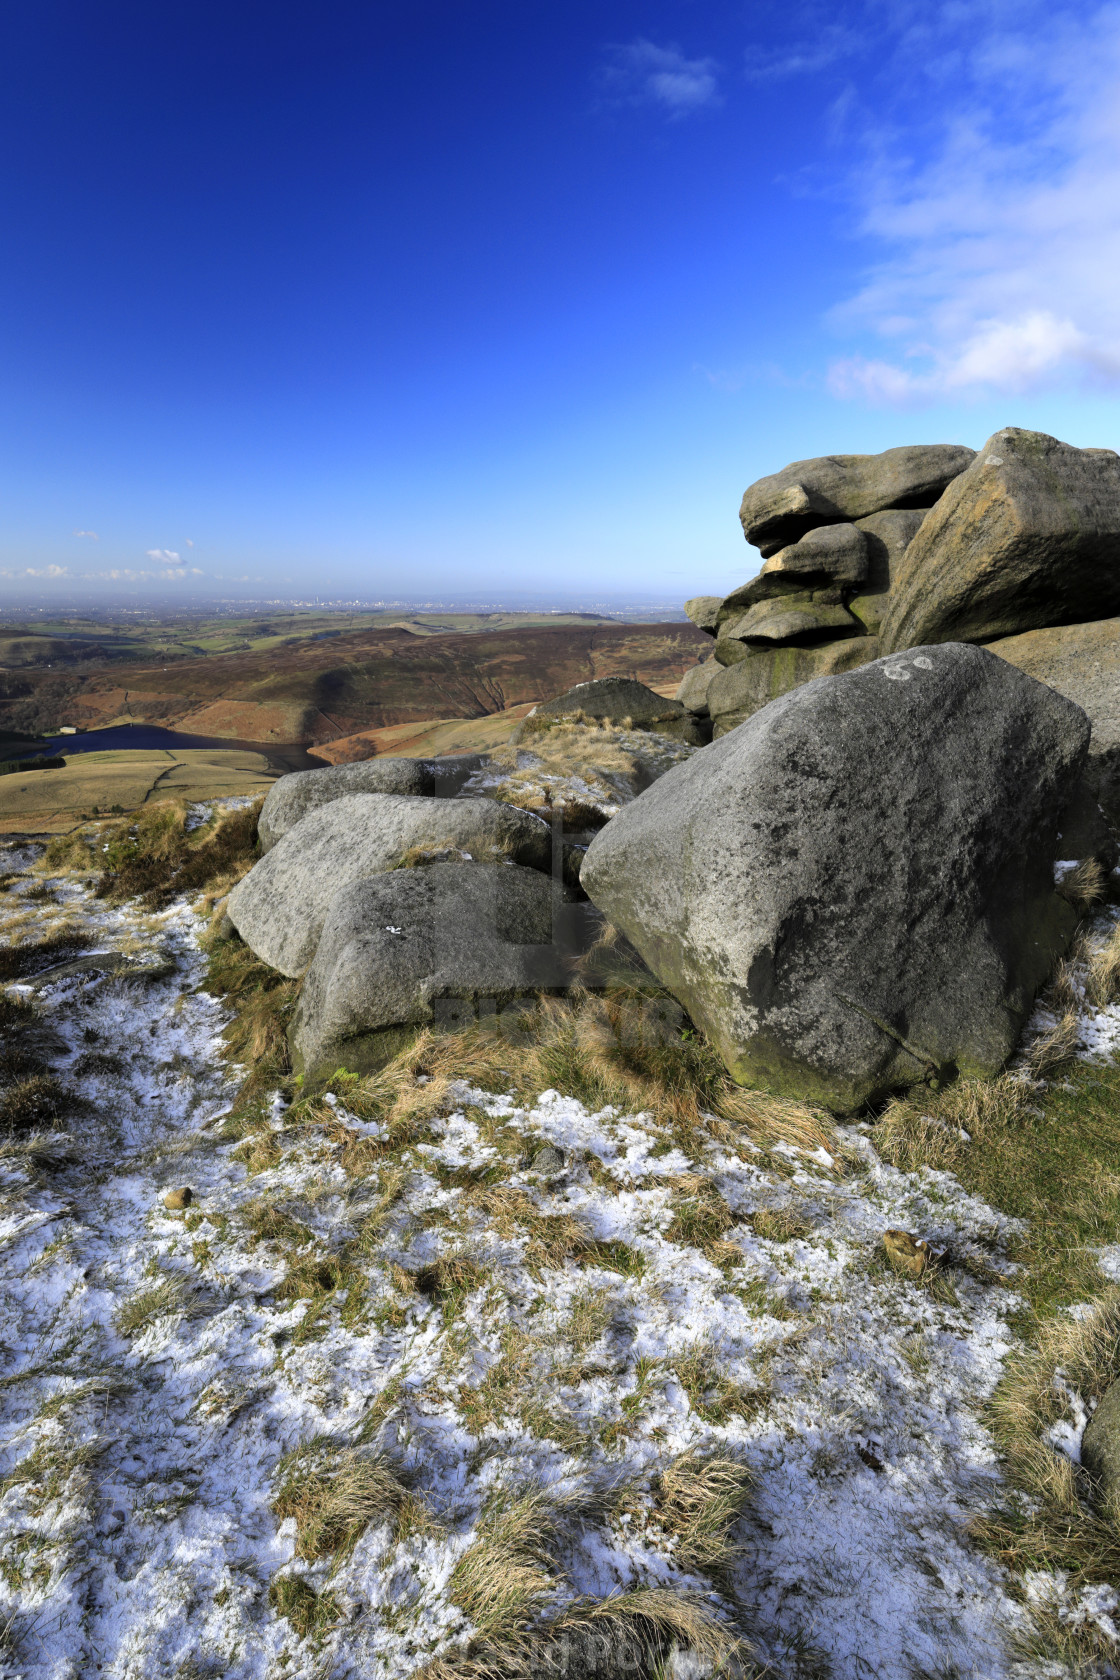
[52, 801]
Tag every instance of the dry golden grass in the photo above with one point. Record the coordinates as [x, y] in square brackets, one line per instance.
[1052, 1050]
[334, 1497]
[580, 1046]
[1102, 981]
[1085, 886]
[632, 1633]
[502, 1581]
[699, 1500]
[1056, 1526]
[935, 1129]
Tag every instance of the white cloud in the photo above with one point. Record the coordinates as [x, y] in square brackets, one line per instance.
[642, 73]
[167, 555]
[190, 544]
[38, 572]
[91, 534]
[1004, 243]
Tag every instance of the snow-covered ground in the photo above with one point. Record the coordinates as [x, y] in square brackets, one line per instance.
[155, 1373]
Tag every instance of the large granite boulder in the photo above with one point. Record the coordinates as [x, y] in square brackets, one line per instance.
[442, 947]
[279, 908]
[703, 610]
[832, 553]
[763, 674]
[693, 692]
[1100, 1444]
[889, 534]
[853, 891]
[619, 700]
[1082, 661]
[778, 510]
[1027, 536]
[809, 612]
[293, 796]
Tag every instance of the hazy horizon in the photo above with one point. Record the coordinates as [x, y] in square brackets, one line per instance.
[430, 302]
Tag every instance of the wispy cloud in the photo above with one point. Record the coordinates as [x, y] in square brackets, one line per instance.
[642, 73]
[92, 535]
[167, 555]
[1001, 228]
[37, 572]
[126, 574]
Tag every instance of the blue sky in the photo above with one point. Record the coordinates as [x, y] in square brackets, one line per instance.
[429, 300]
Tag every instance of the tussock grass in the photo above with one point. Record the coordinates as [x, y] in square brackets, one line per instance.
[1054, 1523]
[334, 1497]
[33, 1104]
[262, 1001]
[711, 1395]
[171, 1295]
[152, 857]
[1039, 1154]
[632, 1633]
[1102, 980]
[502, 1581]
[699, 1500]
[32, 956]
[1084, 887]
[1055, 1049]
[580, 1045]
[312, 1615]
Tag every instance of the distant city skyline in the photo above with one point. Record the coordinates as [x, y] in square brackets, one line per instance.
[427, 301]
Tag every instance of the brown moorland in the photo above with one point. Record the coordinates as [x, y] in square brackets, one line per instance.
[321, 690]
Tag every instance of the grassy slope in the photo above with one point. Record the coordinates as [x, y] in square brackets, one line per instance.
[51, 801]
[318, 690]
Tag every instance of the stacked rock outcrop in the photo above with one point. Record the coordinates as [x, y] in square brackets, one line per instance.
[831, 532]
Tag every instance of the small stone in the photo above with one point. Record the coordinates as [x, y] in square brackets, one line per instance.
[175, 1199]
[906, 1253]
[548, 1160]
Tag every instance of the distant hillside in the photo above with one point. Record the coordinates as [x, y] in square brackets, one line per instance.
[319, 690]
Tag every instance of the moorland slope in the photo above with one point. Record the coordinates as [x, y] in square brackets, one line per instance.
[319, 690]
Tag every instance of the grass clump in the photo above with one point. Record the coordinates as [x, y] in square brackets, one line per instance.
[152, 856]
[312, 1615]
[32, 956]
[1040, 1155]
[262, 1001]
[699, 1500]
[1051, 1521]
[502, 1581]
[36, 1103]
[334, 1499]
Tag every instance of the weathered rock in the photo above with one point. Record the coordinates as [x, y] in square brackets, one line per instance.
[703, 610]
[888, 534]
[764, 674]
[280, 906]
[808, 613]
[693, 692]
[1100, 1444]
[906, 1252]
[837, 553]
[854, 891]
[441, 947]
[1028, 536]
[292, 797]
[618, 700]
[1082, 661]
[779, 509]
